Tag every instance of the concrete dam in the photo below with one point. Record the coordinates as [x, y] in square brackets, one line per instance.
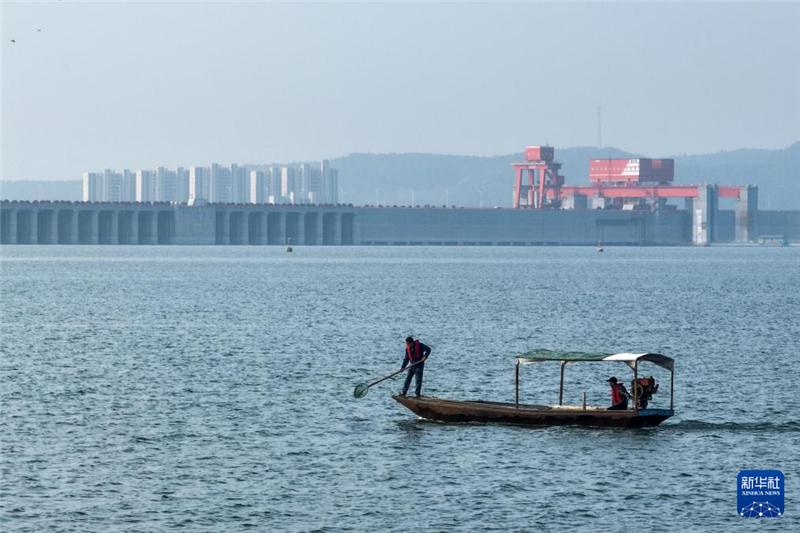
[258, 224]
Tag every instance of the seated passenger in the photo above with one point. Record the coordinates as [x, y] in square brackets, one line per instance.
[619, 395]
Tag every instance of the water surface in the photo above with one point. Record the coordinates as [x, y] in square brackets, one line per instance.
[210, 388]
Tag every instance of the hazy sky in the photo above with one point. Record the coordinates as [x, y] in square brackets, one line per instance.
[138, 85]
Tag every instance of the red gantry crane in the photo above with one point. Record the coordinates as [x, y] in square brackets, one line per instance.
[543, 184]
[619, 180]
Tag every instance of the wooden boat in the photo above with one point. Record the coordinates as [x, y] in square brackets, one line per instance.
[638, 416]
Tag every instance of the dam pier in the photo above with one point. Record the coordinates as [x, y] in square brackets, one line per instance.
[165, 223]
[129, 223]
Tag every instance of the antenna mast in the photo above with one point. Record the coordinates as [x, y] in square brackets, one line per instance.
[599, 127]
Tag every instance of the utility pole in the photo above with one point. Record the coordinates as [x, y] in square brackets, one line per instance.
[599, 127]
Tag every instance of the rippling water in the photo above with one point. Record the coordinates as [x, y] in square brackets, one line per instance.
[210, 389]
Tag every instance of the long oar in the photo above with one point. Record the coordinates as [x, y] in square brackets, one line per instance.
[363, 388]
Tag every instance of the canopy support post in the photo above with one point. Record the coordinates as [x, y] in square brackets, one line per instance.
[636, 386]
[516, 386]
[561, 385]
[672, 387]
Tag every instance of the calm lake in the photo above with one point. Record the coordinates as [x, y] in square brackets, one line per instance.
[211, 388]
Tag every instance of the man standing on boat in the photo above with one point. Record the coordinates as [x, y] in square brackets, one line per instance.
[415, 352]
[619, 395]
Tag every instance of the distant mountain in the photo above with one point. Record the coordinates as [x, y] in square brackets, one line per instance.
[429, 175]
[41, 190]
[776, 172]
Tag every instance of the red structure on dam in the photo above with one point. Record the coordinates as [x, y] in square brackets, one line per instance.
[542, 187]
[613, 179]
[630, 184]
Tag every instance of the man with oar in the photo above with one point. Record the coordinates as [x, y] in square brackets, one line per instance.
[416, 353]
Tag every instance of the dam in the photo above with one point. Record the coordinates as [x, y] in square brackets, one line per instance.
[130, 223]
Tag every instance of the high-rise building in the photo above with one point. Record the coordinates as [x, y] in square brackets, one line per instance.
[302, 175]
[299, 183]
[310, 187]
[92, 187]
[128, 185]
[274, 188]
[145, 186]
[315, 188]
[183, 185]
[166, 189]
[240, 184]
[330, 183]
[259, 187]
[288, 185]
[112, 186]
[198, 184]
[333, 186]
[220, 184]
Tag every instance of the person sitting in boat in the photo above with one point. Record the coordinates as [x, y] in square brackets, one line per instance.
[415, 352]
[619, 395]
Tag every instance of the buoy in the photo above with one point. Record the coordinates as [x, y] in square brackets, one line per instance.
[288, 248]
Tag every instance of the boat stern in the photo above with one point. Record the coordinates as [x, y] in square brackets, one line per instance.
[647, 418]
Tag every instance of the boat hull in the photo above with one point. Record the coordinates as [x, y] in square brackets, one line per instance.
[529, 415]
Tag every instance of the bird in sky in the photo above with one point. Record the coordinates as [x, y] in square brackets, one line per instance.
[13, 41]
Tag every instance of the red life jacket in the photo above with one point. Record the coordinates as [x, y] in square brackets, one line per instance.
[616, 393]
[416, 354]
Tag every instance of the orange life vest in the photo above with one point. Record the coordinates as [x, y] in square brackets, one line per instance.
[616, 393]
[415, 355]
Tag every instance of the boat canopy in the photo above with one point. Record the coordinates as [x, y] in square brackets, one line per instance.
[539, 355]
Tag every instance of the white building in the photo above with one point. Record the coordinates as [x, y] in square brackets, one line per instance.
[301, 183]
[145, 186]
[220, 184]
[330, 183]
[112, 186]
[288, 185]
[183, 185]
[92, 187]
[259, 187]
[310, 188]
[274, 188]
[166, 189]
[128, 185]
[240, 184]
[199, 183]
